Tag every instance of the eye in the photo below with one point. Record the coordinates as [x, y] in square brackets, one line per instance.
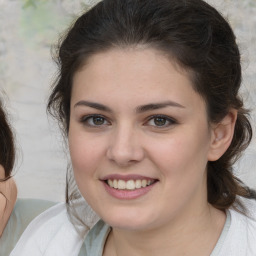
[94, 120]
[160, 121]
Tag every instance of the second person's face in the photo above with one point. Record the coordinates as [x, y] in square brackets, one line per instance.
[139, 139]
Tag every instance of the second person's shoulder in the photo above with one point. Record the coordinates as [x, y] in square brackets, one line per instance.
[51, 233]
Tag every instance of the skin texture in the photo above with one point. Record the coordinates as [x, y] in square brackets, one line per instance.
[128, 142]
[8, 196]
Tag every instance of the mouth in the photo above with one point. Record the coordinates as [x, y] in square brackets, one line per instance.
[130, 184]
[127, 187]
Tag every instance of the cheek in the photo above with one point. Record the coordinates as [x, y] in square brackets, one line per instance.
[83, 157]
[82, 152]
[83, 164]
[182, 163]
[183, 154]
[87, 156]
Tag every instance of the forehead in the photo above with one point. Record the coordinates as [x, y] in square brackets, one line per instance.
[130, 60]
[131, 54]
[144, 74]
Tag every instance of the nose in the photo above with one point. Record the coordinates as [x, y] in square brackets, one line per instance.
[125, 147]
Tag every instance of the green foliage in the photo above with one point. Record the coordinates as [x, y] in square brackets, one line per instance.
[40, 22]
[252, 3]
[29, 3]
[32, 3]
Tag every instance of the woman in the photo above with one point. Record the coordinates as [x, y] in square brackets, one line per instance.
[147, 96]
[14, 215]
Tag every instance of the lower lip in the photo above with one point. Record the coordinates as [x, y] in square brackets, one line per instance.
[127, 194]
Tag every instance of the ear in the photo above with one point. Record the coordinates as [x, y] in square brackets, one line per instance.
[8, 196]
[222, 135]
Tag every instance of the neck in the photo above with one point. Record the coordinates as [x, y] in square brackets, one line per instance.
[195, 234]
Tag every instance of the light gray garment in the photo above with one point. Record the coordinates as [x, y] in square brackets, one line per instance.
[238, 237]
[25, 210]
[96, 238]
[53, 234]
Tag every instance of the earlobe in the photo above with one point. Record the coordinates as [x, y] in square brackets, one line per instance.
[222, 135]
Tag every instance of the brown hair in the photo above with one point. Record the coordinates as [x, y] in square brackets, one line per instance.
[7, 151]
[193, 34]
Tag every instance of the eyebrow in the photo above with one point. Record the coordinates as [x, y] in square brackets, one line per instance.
[93, 105]
[139, 109]
[154, 106]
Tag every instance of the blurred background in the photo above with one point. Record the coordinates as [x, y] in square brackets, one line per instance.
[29, 29]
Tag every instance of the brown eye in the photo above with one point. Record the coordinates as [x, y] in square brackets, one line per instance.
[98, 120]
[160, 121]
[94, 121]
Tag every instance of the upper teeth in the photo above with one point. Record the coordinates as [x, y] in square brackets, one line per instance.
[130, 184]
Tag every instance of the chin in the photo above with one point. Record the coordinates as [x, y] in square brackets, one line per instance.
[128, 220]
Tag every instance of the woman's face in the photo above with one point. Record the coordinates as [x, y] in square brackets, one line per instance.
[139, 139]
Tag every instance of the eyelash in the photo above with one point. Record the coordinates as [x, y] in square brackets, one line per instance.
[170, 121]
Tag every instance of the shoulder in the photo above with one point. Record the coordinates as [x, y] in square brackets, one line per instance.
[51, 233]
[241, 236]
[24, 212]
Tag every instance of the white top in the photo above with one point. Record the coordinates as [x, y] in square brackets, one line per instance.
[52, 234]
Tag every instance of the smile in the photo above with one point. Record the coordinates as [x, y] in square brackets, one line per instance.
[127, 187]
[129, 184]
